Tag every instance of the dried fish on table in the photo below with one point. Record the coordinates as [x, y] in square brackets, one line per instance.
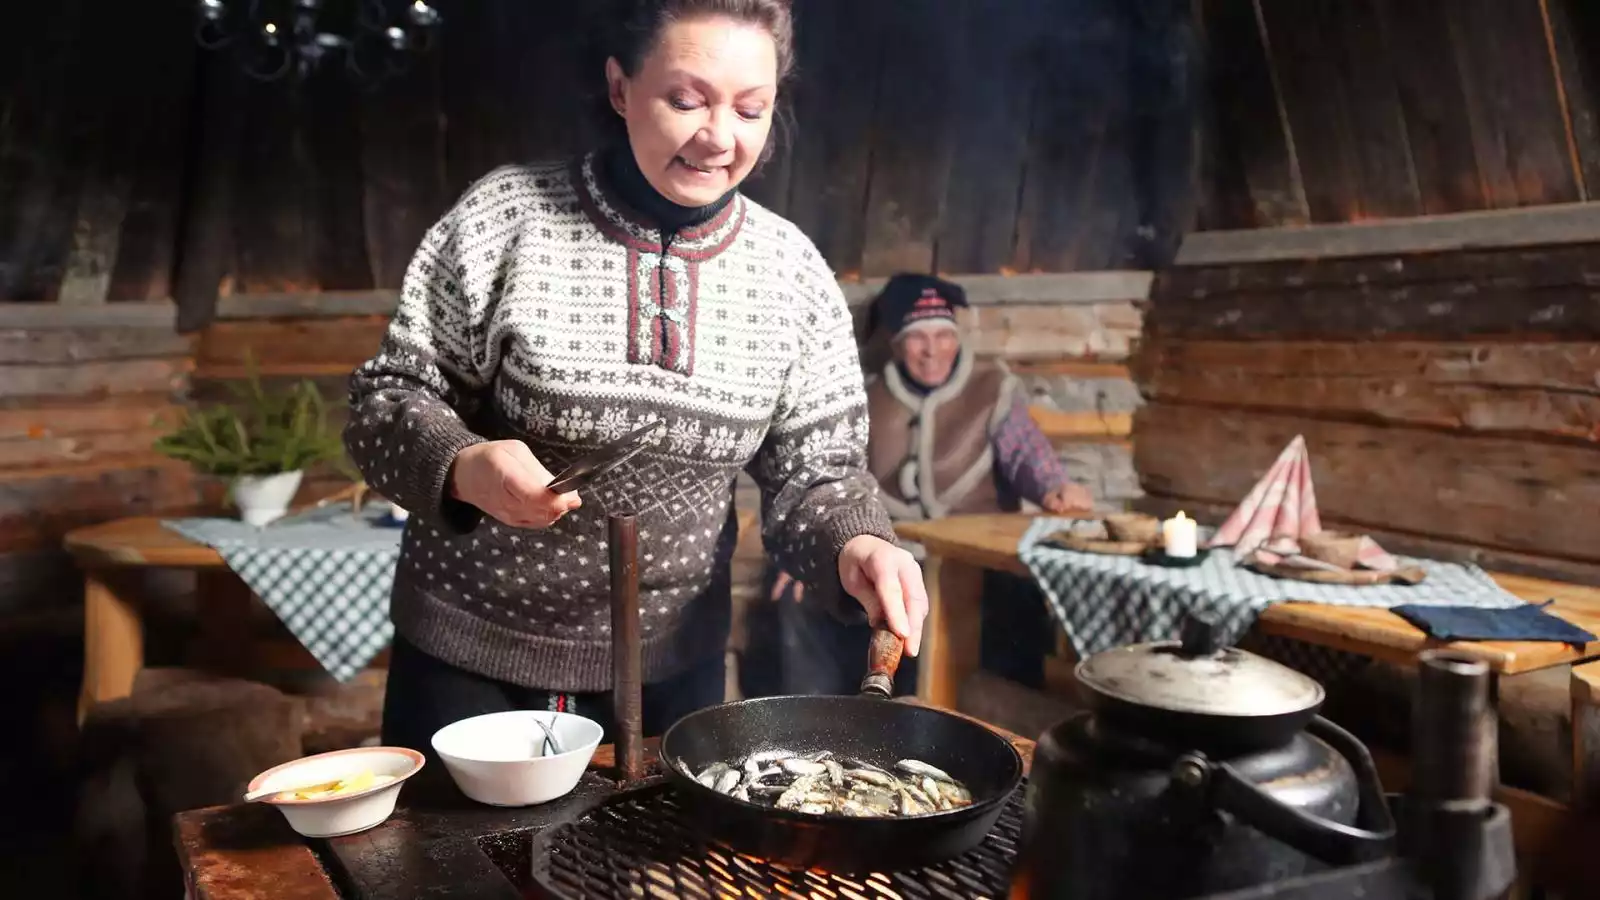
[822, 784]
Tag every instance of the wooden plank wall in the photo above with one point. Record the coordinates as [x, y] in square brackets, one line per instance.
[1354, 110]
[1068, 336]
[83, 393]
[1445, 374]
[137, 170]
[134, 166]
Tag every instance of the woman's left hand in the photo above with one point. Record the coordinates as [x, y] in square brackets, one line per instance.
[887, 582]
[1068, 497]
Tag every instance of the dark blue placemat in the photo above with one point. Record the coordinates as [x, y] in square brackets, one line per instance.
[1528, 622]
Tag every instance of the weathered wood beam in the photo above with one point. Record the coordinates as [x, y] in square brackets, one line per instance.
[129, 411]
[1034, 288]
[290, 343]
[92, 380]
[32, 346]
[319, 304]
[1544, 389]
[113, 315]
[38, 451]
[1567, 223]
[38, 505]
[982, 290]
[1471, 307]
[1515, 495]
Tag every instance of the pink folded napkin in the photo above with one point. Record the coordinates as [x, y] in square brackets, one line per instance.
[1280, 510]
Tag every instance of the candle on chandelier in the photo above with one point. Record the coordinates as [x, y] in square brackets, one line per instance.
[1178, 536]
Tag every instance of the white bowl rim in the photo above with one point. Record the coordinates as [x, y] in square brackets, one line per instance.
[417, 762]
[587, 747]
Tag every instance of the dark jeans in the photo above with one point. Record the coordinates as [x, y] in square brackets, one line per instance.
[798, 648]
[425, 694]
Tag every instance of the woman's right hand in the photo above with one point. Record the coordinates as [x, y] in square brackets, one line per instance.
[507, 482]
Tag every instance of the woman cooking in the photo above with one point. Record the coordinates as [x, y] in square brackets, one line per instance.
[558, 306]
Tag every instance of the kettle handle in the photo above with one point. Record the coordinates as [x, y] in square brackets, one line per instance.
[1333, 843]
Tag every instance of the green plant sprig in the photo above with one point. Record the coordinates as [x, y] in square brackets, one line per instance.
[261, 433]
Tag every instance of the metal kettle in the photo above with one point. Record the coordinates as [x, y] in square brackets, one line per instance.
[1199, 769]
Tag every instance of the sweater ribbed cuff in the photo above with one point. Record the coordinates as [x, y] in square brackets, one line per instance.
[434, 455]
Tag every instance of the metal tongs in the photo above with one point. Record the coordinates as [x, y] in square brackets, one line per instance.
[603, 459]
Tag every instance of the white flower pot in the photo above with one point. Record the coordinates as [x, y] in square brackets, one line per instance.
[263, 498]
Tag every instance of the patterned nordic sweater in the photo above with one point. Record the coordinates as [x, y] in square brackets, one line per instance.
[542, 308]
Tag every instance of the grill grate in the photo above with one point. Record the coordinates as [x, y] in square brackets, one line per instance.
[637, 846]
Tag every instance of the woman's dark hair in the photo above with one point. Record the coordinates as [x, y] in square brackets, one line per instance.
[629, 30]
[636, 25]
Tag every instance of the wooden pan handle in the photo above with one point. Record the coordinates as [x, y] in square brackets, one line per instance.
[883, 661]
[626, 654]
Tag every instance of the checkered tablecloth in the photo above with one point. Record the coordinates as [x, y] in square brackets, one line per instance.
[1107, 601]
[326, 574]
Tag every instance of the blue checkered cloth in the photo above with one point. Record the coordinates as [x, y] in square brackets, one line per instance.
[326, 574]
[1106, 601]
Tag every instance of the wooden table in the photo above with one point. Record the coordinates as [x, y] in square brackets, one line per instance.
[959, 548]
[111, 556]
[247, 852]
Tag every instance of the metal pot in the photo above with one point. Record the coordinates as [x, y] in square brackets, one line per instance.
[1201, 769]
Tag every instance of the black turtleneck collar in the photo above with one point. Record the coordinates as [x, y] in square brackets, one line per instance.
[622, 170]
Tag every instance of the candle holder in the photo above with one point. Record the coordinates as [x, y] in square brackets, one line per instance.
[1157, 556]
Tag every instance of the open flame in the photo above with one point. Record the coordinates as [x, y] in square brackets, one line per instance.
[734, 876]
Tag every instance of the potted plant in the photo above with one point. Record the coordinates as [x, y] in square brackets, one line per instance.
[261, 443]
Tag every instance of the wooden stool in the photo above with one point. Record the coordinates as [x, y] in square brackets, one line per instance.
[181, 740]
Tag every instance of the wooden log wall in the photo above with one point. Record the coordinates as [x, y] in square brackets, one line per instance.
[1028, 136]
[1445, 373]
[83, 393]
[1068, 336]
[1352, 110]
[138, 171]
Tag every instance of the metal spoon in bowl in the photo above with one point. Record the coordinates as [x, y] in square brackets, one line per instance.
[551, 746]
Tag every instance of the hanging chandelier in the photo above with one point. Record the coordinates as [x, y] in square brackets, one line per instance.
[273, 39]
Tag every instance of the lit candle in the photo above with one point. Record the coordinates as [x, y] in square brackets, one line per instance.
[1178, 535]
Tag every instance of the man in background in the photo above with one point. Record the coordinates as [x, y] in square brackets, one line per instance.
[951, 435]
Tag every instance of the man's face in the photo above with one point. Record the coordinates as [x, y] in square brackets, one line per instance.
[928, 354]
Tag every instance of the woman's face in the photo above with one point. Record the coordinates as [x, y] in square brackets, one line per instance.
[929, 354]
[700, 107]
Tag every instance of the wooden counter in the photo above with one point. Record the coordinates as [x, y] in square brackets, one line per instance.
[248, 852]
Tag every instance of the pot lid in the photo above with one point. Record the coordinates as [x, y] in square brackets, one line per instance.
[1197, 675]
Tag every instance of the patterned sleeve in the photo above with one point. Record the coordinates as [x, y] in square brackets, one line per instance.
[816, 493]
[410, 404]
[1024, 457]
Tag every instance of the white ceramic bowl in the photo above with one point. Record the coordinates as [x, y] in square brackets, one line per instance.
[348, 813]
[491, 757]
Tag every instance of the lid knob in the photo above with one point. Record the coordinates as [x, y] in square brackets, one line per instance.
[1198, 635]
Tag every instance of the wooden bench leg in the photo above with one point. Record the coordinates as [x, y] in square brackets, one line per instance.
[1565, 866]
[1585, 686]
[950, 638]
[113, 640]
